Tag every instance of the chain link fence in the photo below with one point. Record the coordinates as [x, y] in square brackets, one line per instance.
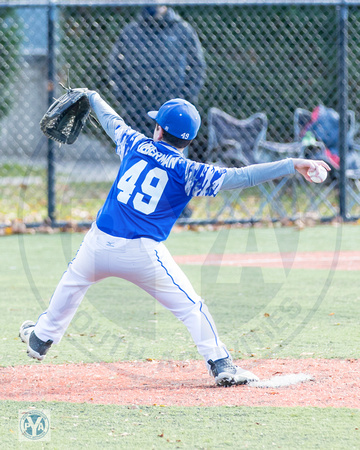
[239, 59]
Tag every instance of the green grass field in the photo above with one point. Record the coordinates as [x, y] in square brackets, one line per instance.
[319, 311]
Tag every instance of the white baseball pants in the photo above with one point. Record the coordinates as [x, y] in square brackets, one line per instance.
[144, 262]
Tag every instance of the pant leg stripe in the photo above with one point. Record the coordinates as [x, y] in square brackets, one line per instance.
[45, 312]
[172, 279]
[182, 290]
[212, 329]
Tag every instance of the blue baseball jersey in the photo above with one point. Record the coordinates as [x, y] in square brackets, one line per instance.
[154, 184]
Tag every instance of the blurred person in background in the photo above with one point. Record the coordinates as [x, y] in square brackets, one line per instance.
[156, 57]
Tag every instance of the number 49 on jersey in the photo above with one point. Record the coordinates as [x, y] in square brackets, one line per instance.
[145, 198]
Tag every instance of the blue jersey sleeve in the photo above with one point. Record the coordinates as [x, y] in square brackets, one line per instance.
[126, 140]
[203, 179]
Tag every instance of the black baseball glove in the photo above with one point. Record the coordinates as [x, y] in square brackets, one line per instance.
[66, 117]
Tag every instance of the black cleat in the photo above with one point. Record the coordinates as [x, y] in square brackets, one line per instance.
[227, 374]
[36, 348]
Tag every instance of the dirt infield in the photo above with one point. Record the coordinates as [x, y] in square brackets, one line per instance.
[346, 260]
[182, 383]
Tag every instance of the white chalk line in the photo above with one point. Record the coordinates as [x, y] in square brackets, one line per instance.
[279, 381]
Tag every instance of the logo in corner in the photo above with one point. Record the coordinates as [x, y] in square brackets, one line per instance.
[34, 425]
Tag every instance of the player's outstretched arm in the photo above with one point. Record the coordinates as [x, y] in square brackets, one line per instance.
[304, 165]
[255, 174]
[107, 117]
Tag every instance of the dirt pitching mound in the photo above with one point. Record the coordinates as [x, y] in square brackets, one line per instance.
[344, 260]
[333, 383]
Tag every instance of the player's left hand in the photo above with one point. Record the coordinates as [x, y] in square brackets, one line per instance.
[303, 166]
[87, 91]
[66, 117]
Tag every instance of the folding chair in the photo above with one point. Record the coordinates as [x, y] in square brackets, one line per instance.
[327, 138]
[302, 120]
[234, 142]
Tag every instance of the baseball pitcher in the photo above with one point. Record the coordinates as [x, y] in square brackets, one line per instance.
[154, 184]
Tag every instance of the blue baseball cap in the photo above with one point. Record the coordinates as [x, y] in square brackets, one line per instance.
[179, 118]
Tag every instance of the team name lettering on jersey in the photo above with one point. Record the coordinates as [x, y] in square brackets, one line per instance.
[167, 161]
[154, 184]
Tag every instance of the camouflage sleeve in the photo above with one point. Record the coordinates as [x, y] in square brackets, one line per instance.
[203, 179]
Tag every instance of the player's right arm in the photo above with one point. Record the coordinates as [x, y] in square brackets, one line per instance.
[255, 174]
[208, 180]
[245, 177]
